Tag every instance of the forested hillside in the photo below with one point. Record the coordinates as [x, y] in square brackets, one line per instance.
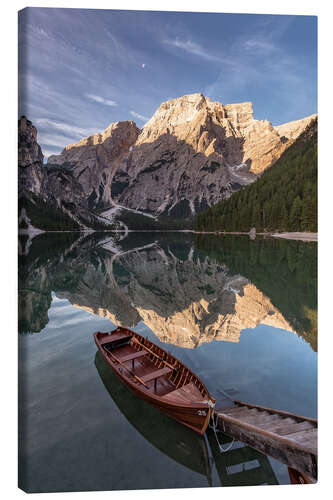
[284, 198]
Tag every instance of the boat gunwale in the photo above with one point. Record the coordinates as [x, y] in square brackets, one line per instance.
[145, 391]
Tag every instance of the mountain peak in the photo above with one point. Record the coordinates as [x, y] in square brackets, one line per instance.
[192, 153]
[292, 130]
[114, 129]
[177, 111]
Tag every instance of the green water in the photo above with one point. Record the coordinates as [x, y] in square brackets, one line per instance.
[242, 314]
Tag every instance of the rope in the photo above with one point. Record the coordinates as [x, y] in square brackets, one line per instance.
[214, 426]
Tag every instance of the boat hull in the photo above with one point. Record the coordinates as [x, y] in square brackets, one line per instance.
[196, 416]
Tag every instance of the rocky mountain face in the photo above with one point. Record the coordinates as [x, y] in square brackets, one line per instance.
[95, 159]
[46, 189]
[294, 129]
[191, 154]
[30, 158]
[29, 151]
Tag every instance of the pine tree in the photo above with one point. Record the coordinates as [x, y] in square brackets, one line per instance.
[284, 219]
[295, 214]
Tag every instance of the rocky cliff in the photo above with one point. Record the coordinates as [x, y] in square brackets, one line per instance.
[29, 151]
[191, 154]
[49, 197]
[294, 129]
[95, 159]
[30, 158]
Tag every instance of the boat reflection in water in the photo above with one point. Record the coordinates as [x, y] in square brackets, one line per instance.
[171, 438]
[241, 465]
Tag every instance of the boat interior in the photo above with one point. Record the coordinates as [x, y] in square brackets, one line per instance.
[153, 369]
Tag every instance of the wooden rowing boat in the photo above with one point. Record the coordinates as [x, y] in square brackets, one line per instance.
[157, 377]
[174, 440]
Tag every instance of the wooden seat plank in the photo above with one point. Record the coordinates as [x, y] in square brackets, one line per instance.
[133, 355]
[113, 337]
[188, 392]
[191, 390]
[156, 374]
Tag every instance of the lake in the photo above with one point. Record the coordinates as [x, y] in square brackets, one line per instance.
[241, 313]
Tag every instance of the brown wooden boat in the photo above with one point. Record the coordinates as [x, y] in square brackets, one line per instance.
[157, 377]
[174, 440]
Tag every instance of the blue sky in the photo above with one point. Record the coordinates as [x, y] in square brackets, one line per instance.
[81, 70]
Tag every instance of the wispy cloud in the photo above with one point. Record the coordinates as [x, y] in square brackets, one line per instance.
[193, 48]
[63, 128]
[139, 117]
[52, 140]
[54, 135]
[262, 58]
[258, 44]
[101, 100]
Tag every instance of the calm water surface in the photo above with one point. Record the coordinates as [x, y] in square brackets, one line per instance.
[242, 314]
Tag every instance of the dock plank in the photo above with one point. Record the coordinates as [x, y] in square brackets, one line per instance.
[265, 419]
[284, 428]
[280, 422]
[237, 412]
[307, 436]
[288, 437]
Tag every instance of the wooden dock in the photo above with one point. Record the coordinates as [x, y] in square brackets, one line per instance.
[285, 436]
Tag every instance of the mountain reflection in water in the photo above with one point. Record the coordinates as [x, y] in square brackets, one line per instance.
[187, 290]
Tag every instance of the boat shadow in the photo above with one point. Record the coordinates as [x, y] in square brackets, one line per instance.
[173, 439]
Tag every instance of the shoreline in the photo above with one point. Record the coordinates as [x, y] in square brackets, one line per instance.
[297, 236]
[306, 236]
[287, 236]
